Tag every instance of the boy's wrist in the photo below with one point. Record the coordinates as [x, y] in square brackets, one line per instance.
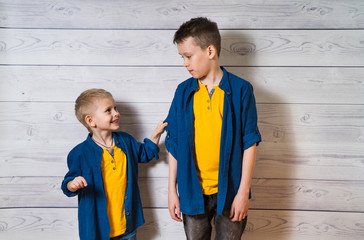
[244, 191]
[172, 188]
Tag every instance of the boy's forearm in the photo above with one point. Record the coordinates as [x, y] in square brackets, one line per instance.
[172, 180]
[158, 132]
[247, 169]
[155, 138]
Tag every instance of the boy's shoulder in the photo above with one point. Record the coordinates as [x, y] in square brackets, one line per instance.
[124, 138]
[122, 135]
[237, 81]
[186, 83]
[79, 149]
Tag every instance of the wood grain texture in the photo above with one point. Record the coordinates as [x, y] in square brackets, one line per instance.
[154, 47]
[299, 141]
[268, 194]
[171, 13]
[157, 84]
[61, 223]
[304, 59]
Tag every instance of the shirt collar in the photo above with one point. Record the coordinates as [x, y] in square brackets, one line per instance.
[223, 85]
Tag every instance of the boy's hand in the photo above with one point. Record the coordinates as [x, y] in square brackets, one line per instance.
[239, 207]
[158, 132]
[77, 183]
[173, 206]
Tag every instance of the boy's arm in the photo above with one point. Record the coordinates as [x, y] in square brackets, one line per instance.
[72, 180]
[239, 207]
[149, 149]
[158, 132]
[173, 200]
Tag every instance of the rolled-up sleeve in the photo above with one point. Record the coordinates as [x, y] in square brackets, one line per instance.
[148, 151]
[171, 129]
[250, 131]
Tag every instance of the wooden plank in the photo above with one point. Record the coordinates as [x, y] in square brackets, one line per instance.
[170, 14]
[304, 225]
[154, 47]
[278, 194]
[147, 84]
[299, 141]
[39, 223]
[60, 224]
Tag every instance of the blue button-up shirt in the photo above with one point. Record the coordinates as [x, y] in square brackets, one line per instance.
[85, 160]
[239, 132]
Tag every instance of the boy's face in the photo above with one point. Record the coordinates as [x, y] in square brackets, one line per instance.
[105, 116]
[195, 59]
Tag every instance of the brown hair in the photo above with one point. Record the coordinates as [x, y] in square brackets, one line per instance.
[202, 30]
[85, 101]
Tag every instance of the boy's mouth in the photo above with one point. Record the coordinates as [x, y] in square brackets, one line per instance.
[115, 121]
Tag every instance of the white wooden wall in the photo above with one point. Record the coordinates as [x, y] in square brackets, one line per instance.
[305, 60]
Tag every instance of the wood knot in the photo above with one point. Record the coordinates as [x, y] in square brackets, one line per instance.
[242, 48]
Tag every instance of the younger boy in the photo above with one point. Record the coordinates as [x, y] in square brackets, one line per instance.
[212, 136]
[103, 170]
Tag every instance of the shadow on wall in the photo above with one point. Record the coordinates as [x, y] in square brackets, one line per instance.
[239, 54]
[131, 123]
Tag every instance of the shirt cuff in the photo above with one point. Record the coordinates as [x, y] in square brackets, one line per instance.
[251, 138]
[152, 149]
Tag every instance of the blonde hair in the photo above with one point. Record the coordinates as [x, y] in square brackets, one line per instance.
[85, 101]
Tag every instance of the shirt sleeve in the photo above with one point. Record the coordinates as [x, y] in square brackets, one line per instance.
[145, 151]
[73, 163]
[250, 131]
[148, 151]
[171, 129]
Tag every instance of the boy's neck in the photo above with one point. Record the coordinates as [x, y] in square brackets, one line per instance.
[103, 138]
[213, 78]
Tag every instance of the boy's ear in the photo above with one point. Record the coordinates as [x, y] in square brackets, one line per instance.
[89, 121]
[211, 51]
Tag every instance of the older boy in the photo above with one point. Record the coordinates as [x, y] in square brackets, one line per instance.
[103, 170]
[212, 136]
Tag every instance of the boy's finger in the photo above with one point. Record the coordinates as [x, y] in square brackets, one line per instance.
[84, 181]
[178, 211]
[171, 213]
[232, 212]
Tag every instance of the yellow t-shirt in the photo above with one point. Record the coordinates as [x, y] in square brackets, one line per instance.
[208, 113]
[114, 173]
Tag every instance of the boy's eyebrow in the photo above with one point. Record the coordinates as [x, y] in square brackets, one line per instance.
[108, 107]
[185, 53]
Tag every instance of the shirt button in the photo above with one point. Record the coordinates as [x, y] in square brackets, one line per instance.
[208, 108]
[114, 168]
[208, 100]
[127, 213]
[117, 142]
[126, 197]
[112, 161]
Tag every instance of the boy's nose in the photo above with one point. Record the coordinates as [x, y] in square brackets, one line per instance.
[185, 63]
[116, 113]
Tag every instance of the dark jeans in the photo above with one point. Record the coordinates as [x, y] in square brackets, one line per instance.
[198, 227]
[130, 236]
